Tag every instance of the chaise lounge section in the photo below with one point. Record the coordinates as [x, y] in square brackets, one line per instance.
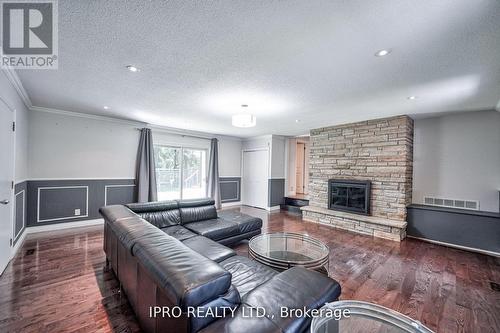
[163, 255]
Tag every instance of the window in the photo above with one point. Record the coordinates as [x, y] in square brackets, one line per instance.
[180, 172]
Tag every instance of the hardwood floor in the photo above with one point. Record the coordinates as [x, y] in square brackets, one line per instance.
[63, 287]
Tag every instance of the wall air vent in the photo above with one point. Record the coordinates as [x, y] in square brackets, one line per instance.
[452, 203]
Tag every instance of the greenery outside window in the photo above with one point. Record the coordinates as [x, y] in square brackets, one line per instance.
[181, 172]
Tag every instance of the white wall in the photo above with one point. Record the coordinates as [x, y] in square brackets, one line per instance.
[10, 96]
[458, 156]
[62, 146]
[229, 157]
[65, 146]
[278, 156]
[258, 142]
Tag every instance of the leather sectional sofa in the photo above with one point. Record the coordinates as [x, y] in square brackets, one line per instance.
[171, 255]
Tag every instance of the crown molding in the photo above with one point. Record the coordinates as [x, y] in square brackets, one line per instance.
[17, 84]
[87, 116]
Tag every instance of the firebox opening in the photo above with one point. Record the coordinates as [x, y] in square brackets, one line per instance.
[349, 195]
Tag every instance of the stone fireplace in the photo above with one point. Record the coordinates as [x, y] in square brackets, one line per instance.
[378, 152]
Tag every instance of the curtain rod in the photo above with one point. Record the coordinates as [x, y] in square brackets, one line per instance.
[177, 133]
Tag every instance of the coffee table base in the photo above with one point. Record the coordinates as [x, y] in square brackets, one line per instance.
[283, 267]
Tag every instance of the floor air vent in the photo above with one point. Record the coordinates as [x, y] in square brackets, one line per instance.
[452, 203]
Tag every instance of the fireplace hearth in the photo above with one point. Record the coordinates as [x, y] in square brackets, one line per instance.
[349, 196]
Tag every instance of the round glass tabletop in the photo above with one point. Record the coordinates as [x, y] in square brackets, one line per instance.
[358, 316]
[283, 250]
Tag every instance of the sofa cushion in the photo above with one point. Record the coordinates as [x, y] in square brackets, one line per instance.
[210, 249]
[245, 222]
[242, 321]
[195, 202]
[247, 274]
[197, 210]
[179, 232]
[160, 213]
[294, 288]
[214, 229]
[189, 277]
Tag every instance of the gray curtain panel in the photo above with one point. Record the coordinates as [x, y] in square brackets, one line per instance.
[145, 177]
[213, 188]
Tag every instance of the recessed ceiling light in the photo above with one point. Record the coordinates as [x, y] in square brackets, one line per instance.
[132, 68]
[297, 120]
[383, 53]
[411, 98]
[105, 107]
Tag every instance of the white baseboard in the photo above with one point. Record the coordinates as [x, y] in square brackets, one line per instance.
[19, 244]
[460, 247]
[61, 226]
[231, 204]
[273, 208]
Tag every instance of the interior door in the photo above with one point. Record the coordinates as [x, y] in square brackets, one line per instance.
[299, 167]
[255, 178]
[6, 178]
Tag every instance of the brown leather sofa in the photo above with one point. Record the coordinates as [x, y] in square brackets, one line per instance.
[165, 256]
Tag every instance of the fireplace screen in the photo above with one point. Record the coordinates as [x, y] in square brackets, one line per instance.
[349, 195]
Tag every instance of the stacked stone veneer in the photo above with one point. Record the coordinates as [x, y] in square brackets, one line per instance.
[378, 150]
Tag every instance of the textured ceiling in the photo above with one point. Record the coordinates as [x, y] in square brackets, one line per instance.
[307, 60]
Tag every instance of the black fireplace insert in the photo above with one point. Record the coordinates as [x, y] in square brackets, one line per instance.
[349, 195]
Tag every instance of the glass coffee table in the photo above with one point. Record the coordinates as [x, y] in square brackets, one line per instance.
[358, 316]
[282, 250]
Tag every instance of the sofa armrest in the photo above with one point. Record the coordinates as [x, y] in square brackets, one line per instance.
[115, 212]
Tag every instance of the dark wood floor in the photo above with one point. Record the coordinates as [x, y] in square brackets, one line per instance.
[63, 287]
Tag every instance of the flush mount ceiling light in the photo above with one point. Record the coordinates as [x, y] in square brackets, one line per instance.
[132, 68]
[411, 98]
[383, 53]
[105, 107]
[243, 120]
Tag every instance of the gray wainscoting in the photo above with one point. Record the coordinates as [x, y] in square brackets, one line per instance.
[472, 229]
[58, 201]
[20, 209]
[276, 191]
[230, 189]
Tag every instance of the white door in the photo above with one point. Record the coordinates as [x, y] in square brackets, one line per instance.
[254, 180]
[300, 164]
[6, 178]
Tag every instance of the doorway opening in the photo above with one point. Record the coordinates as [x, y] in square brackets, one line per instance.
[298, 167]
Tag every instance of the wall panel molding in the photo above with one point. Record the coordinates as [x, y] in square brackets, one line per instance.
[230, 188]
[64, 206]
[20, 211]
[88, 195]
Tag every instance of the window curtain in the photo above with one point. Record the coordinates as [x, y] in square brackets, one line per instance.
[213, 188]
[145, 177]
